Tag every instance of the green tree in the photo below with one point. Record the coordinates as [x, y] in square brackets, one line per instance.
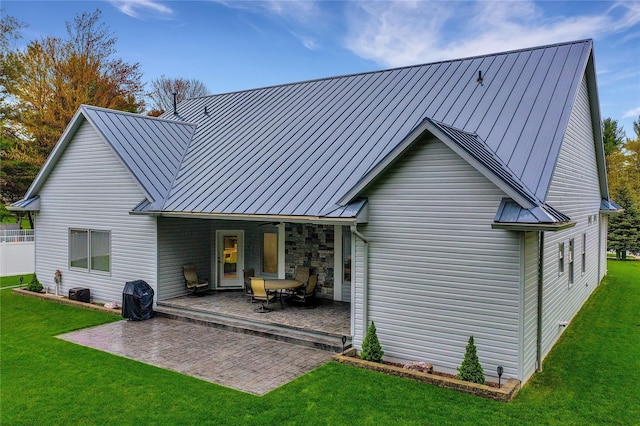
[613, 137]
[624, 228]
[470, 370]
[47, 81]
[371, 348]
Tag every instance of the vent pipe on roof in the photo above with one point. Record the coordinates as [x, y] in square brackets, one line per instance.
[205, 110]
[175, 103]
[480, 79]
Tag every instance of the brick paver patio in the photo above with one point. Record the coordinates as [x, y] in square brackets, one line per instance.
[235, 360]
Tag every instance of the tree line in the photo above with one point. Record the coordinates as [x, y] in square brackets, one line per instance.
[43, 84]
[623, 173]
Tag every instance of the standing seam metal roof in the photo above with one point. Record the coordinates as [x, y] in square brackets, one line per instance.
[296, 149]
[152, 149]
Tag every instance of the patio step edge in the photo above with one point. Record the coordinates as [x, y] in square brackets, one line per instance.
[289, 335]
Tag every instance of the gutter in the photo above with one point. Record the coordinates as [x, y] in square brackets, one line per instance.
[540, 227]
[365, 279]
[250, 217]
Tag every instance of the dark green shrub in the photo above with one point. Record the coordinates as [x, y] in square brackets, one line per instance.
[35, 285]
[371, 349]
[471, 370]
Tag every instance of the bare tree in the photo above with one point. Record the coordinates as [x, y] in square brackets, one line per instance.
[163, 88]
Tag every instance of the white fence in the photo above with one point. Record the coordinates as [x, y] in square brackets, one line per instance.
[17, 252]
[16, 235]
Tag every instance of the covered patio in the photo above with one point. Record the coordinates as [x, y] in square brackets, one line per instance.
[325, 317]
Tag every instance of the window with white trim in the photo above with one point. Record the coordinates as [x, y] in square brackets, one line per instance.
[571, 250]
[584, 253]
[90, 250]
[560, 258]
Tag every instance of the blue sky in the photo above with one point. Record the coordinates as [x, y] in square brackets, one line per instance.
[235, 45]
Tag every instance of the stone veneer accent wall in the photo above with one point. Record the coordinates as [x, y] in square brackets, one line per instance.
[311, 245]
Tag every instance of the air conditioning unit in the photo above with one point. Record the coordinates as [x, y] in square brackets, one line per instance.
[80, 294]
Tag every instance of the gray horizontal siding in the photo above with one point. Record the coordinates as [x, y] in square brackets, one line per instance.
[438, 273]
[575, 191]
[182, 241]
[90, 188]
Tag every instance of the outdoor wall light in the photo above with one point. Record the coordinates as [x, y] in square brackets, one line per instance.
[500, 371]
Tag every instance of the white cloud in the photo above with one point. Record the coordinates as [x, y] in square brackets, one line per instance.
[301, 14]
[399, 33]
[141, 8]
[292, 10]
[309, 42]
[632, 113]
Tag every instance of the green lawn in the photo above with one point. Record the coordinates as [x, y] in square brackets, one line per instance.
[15, 280]
[591, 377]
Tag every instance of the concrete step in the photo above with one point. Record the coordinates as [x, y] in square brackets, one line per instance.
[324, 341]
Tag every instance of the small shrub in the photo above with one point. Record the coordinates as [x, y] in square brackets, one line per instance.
[35, 285]
[371, 349]
[470, 370]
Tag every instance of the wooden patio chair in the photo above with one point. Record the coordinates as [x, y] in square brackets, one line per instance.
[307, 292]
[259, 293]
[191, 279]
[248, 273]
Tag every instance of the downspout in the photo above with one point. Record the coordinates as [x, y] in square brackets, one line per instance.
[600, 249]
[365, 278]
[540, 286]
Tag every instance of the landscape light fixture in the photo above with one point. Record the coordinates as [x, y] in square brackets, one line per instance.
[500, 371]
[344, 340]
[21, 279]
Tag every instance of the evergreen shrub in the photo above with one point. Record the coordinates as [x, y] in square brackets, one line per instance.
[371, 348]
[470, 370]
[35, 285]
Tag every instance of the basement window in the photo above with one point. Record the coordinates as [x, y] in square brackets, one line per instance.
[90, 250]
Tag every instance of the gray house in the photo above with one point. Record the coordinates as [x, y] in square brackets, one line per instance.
[458, 198]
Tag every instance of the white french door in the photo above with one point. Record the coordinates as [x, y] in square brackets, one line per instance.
[230, 258]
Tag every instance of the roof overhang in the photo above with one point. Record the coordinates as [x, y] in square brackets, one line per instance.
[26, 205]
[524, 227]
[610, 207]
[250, 217]
[513, 217]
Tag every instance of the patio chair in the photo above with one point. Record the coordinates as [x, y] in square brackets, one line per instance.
[302, 274]
[307, 292]
[248, 273]
[191, 280]
[259, 293]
